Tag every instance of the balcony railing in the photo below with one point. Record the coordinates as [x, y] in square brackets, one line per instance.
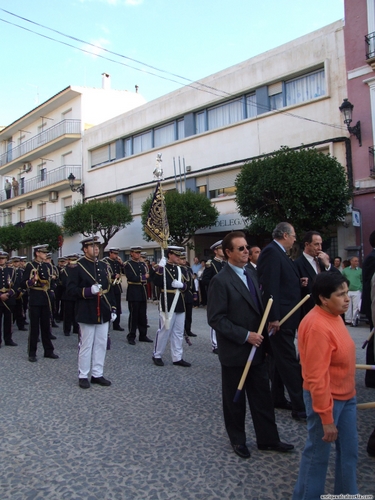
[371, 151]
[370, 45]
[56, 218]
[65, 127]
[45, 179]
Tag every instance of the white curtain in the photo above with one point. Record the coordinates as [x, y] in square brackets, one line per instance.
[164, 135]
[305, 88]
[226, 114]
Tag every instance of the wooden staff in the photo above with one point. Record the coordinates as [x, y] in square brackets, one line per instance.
[365, 367]
[253, 349]
[364, 406]
[368, 340]
[252, 352]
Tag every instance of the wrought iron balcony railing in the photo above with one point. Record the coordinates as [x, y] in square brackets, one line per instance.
[371, 151]
[65, 127]
[370, 46]
[45, 179]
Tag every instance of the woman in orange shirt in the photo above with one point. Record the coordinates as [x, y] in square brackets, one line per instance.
[327, 354]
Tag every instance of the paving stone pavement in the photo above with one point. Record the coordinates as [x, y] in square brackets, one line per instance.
[157, 433]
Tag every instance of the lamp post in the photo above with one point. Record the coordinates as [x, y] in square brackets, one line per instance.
[346, 109]
[77, 189]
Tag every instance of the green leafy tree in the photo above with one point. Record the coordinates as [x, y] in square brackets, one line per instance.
[305, 187]
[10, 238]
[41, 232]
[186, 213]
[96, 216]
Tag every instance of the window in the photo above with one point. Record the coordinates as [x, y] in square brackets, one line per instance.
[142, 142]
[200, 122]
[21, 215]
[104, 154]
[164, 135]
[42, 173]
[128, 146]
[251, 106]
[275, 94]
[225, 114]
[222, 192]
[67, 203]
[202, 190]
[22, 185]
[181, 129]
[305, 88]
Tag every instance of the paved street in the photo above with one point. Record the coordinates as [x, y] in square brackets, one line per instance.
[156, 433]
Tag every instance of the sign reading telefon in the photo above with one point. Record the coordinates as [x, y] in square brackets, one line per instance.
[225, 222]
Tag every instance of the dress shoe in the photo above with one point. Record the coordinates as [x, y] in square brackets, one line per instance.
[101, 381]
[84, 383]
[119, 329]
[158, 361]
[299, 415]
[32, 359]
[145, 339]
[191, 334]
[215, 351]
[241, 449]
[285, 405]
[280, 446]
[181, 363]
[67, 334]
[22, 329]
[131, 341]
[52, 337]
[54, 325]
[10, 342]
[51, 356]
[26, 322]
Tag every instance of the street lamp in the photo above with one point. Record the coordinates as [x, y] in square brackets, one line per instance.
[78, 189]
[346, 109]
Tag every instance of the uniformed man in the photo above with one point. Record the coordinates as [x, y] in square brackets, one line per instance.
[171, 324]
[213, 267]
[188, 295]
[54, 281]
[61, 263]
[8, 286]
[137, 274]
[68, 301]
[90, 284]
[25, 292]
[117, 267]
[37, 280]
[18, 312]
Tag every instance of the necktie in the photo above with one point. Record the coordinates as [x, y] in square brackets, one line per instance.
[317, 265]
[252, 290]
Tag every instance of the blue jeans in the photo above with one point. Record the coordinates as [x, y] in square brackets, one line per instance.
[315, 456]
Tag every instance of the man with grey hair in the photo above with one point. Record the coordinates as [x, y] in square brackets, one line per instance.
[278, 278]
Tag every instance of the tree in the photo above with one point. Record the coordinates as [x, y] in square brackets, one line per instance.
[305, 187]
[39, 232]
[10, 237]
[96, 216]
[186, 212]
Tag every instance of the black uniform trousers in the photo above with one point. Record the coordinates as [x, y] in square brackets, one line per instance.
[188, 317]
[19, 314]
[69, 319]
[5, 323]
[257, 390]
[370, 359]
[40, 316]
[137, 319]
[288, 368]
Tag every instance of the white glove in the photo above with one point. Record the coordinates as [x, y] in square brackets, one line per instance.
[177, 284]
[162, 262]
[95, 289]
[113, 317]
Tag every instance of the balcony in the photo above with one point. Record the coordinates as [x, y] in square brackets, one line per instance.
[49, 180]
[49, 140]
[370, 49]
[371, 151]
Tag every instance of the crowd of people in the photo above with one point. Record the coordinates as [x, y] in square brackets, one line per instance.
[315, 382]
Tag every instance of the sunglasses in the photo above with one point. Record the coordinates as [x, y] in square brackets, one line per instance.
[242, 248]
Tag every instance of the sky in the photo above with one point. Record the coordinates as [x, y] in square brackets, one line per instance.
[160, 45]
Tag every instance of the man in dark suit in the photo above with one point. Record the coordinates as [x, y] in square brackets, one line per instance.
[368, 270]
[235, 311]
[313, 261]
[279, 279]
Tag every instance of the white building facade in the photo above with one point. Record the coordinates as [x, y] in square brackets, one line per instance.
[43, 148]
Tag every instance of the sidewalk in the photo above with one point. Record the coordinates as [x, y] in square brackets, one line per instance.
[157, 433]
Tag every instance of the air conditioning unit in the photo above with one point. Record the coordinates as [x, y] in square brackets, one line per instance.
[29, 204]
[27, 167]
[53, 196]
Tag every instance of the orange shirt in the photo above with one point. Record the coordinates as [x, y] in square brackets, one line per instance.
[327, 354]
